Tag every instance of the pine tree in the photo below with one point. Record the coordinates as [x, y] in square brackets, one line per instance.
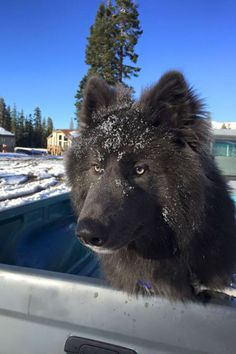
[79, 95]
[5, 115]
[71, 124]
[101, 51]
[44, 133]
[127, 31]
[14, 117]
[30, 131]
[111, 41]
[21, 136]
[2, 112]
[8, 118]
[37, 123]
[49, 126]
[27, 132]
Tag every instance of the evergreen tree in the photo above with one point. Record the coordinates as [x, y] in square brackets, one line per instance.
[3, 114]
[44, 133]
[49, 126]
[14, 117]
[101, 49]
[30, 130]
[44, 127]
[111, 42]
[21, 136]
[8, 119]
[37, 123]
[127, 30]
[223, 126]
[79, 95]
[71, 124]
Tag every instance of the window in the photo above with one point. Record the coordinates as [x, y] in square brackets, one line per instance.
[60, 137]
[224, 148]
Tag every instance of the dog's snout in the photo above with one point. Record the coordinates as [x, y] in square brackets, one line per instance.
[90, 239]
[91, 233]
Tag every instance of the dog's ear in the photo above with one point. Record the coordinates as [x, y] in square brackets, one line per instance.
[97, 94]
[171, 102]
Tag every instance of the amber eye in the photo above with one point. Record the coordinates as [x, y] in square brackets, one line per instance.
[139, 170]
[98, 169]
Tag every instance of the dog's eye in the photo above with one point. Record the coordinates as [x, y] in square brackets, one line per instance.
[98, 169]
[139, 170]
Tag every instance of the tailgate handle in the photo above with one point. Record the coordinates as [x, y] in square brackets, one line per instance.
[78, 345]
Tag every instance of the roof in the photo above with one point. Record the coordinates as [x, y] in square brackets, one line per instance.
[71, 134]
[5, 132]
[75, 133]
[67, 131]
[225, 134]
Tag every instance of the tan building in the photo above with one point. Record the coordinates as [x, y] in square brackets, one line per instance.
[60, 140]
[7, 141]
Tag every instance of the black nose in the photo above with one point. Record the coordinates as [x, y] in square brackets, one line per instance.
[91, 233]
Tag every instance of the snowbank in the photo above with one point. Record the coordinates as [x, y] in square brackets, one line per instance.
[24, 179]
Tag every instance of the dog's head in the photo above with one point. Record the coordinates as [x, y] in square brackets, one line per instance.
[137, 171]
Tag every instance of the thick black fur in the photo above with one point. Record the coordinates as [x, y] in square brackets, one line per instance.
[149, 197]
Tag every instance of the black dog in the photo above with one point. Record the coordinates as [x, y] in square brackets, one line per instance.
[149, 197]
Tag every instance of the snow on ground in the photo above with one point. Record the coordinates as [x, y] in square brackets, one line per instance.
[24, 179]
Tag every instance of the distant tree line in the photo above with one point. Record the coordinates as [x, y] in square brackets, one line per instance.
[30, 130]
[225, 127]
[110, 50]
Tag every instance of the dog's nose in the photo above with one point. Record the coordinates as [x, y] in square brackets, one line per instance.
[89, 238]
[91, 233]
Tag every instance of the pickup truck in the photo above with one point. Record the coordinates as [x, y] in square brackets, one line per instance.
[54, 298]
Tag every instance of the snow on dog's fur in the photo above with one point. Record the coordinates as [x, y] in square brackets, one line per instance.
[148, 195]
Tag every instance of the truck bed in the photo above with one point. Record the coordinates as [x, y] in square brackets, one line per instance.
[53, 297]
[40, 310]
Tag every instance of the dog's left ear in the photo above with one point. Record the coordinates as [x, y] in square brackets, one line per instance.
[97, 94]
[171, 102]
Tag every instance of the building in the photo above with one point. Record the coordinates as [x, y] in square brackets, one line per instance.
[7, 141]
[224, 151]
[60, 140]
[224, 142]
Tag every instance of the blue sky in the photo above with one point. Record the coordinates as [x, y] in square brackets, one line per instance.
[43, 42]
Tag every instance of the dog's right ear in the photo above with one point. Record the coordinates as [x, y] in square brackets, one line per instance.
[97, 94]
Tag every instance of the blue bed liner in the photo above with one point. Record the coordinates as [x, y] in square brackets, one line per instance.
[42, 235]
